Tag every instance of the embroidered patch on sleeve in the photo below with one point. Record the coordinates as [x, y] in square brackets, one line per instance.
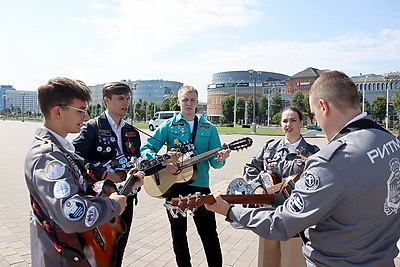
[61, 189]
[295, 203]
[74, 209]
[311, 180]
[92, 215]
[130, 134]
[55, 169]
[205, 126]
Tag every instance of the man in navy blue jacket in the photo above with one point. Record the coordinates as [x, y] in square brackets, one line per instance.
[107, 136]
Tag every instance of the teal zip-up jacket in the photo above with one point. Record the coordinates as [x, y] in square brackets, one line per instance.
[177, 127]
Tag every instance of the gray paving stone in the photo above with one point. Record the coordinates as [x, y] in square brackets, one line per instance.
[149, 241]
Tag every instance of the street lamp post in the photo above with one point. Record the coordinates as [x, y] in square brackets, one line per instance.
[234, 107]
[131, 112]
[387, 104]
[5, 98]
[155, 100]
[366, 77]
[253, 124]
[23, 98]
[269, 90]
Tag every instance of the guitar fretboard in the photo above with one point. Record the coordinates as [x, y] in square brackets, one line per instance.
[196, 159]
[144, 166]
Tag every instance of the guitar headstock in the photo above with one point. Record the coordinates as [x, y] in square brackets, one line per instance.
[240, 143]
[186, 147]
[189, 204]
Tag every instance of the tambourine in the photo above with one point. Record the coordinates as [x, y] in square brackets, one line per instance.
[239, 186]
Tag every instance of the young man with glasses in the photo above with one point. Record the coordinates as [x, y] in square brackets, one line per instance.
[107, 136]
[55, 177]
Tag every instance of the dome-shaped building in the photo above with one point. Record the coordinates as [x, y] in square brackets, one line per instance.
[244, 84]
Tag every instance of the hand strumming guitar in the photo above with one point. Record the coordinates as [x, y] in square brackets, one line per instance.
[171, 165]
[121, 199]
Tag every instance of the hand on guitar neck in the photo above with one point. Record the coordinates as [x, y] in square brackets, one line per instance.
[220, 205]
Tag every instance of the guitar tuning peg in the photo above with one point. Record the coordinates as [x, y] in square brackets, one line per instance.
[181, 212]
[188, 200]
[194, 209]
[171, 210]
[198, 195]
[180, 201]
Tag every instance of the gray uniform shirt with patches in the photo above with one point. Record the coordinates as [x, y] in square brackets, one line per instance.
[347, 200]
[274, 157]
[55, 182]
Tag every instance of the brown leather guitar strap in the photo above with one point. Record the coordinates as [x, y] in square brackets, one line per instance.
[70, 249]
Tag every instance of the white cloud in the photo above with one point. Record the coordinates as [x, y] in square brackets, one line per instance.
[151, 39]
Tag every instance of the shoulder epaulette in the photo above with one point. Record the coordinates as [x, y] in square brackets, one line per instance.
[330, 149]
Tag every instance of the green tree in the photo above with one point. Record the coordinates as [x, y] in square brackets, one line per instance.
[367, 105]
[240, 106]
[168, 104]
[379, 107]
[250, 109]
[164, 106]
[150, 110]
[227, 106]
[396, 101]
[307, 111]
[263, 106]
[275, 106]
[298, 100]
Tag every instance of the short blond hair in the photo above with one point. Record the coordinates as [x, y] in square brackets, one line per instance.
[187, 88]
[337, 88]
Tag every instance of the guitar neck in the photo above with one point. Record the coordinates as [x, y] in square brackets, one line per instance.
[243, 199]
[196, 159]
[127, 188]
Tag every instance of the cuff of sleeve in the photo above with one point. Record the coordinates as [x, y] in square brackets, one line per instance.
[117, 207]
[227, 215]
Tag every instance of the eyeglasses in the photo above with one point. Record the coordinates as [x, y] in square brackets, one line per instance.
[83, 111]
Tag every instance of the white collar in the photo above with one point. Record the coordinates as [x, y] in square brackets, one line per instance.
[64, 142]
[112, 123]
[293, 146]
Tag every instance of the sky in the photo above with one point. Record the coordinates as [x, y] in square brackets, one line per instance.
[99, 41]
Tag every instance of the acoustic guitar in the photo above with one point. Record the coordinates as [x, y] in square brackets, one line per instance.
[160, 184]
[99, 244]
[189, 204]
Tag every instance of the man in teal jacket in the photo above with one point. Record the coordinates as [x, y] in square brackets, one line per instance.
[187, 127]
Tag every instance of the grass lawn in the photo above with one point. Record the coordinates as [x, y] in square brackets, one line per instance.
[240, 130]
[232, 130]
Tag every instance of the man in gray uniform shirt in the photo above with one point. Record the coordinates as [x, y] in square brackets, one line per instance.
[347, 199]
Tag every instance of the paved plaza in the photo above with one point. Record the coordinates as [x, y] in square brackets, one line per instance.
[150, 240]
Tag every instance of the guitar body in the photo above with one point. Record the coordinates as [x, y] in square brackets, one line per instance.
[160, 184]
[100, 243]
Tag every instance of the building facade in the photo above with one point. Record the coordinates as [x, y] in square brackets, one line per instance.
[373, 85]
[303, 80]
[148, 90]
[242, 84]
[4, 97]
[153, 90]
[15, 101]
